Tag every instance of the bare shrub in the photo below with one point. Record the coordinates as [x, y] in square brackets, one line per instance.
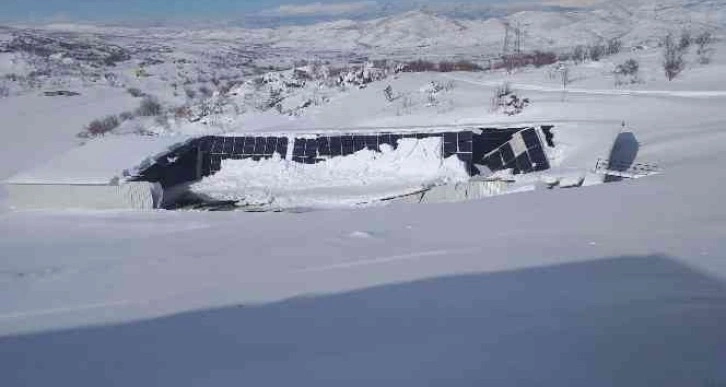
[126, 116]
[541, 58]
[149, 107]
[190, 93]
[629, 67]
[183, 112]
[627, 72]
[446, 67]
[102, 126]
[205, 91]
[500, 92]
[596, 52]
[4, 91]
[537, 59]
[507, 101]
[135, 92]
[419, 66]
[579, 54]
[614, 46]
[461, 65]
[704, 41]
[388, 93]
[673, 62]
[685, 41]
[469, 66]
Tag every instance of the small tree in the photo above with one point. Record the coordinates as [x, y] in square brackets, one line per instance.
[596, 52]
[135, 92]
[614, 46]
[388, 92]
[579, 54]
[149, 107]
[673, 62]
[685, 41]
[628, 69]
[102, 126]
[704, 41]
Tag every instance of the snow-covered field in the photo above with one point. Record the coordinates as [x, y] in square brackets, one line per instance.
[613, 284]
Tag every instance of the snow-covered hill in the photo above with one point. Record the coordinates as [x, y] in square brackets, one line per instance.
[616, 284]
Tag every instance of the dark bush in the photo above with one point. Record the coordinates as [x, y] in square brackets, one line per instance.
[135, 92]
[446, 67]
[629, 67]
[205, 91]
[149, 107]
[419, 66]
[614, 46]
[673, 62]
[465, 65]
[596, 52]
[537, 59]
[102, 126]
[126, 116]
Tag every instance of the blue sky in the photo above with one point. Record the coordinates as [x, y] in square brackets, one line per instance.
[160, 10]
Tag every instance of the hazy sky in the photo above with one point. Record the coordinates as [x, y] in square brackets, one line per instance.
[119, 10]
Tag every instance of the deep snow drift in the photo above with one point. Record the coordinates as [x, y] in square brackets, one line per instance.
[361, 178]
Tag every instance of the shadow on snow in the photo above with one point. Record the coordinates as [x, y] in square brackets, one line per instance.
[629, 321]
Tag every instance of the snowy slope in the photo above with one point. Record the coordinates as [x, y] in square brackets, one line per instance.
[616, 284]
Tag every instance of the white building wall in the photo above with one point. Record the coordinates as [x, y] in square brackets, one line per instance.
[131, 196]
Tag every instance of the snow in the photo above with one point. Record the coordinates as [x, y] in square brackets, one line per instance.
[611, 284]
[361, 178]
[99, 161]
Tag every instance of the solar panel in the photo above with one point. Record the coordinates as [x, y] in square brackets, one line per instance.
[323, 146]
[216, 163]
[494, 162]
[260, 145]
[465, 145]
[249, 147]
[347, 145]
[530, 138]
[507, 153]
[311, 147]
[524, 164]
[359, 143]
[394, 140]
[371, 143]
[282, 143]
[228, 146]
[450, 137]
[217, 146]
[271, 145]
[239, 145]
[450, 148]
[299, 147]
[539, 158]
[205, 144]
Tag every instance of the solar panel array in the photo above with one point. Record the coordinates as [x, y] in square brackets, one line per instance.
[321, 148]
[519, 149]
[520, 159]
[214, 149]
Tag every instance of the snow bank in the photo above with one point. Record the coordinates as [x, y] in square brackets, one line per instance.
[360, 178]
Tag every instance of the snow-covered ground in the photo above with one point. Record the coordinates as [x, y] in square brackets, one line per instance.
[614, 284]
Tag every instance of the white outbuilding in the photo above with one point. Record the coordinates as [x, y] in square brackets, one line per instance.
[96, 175]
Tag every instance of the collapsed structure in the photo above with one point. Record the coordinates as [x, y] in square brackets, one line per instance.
[105, 174]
